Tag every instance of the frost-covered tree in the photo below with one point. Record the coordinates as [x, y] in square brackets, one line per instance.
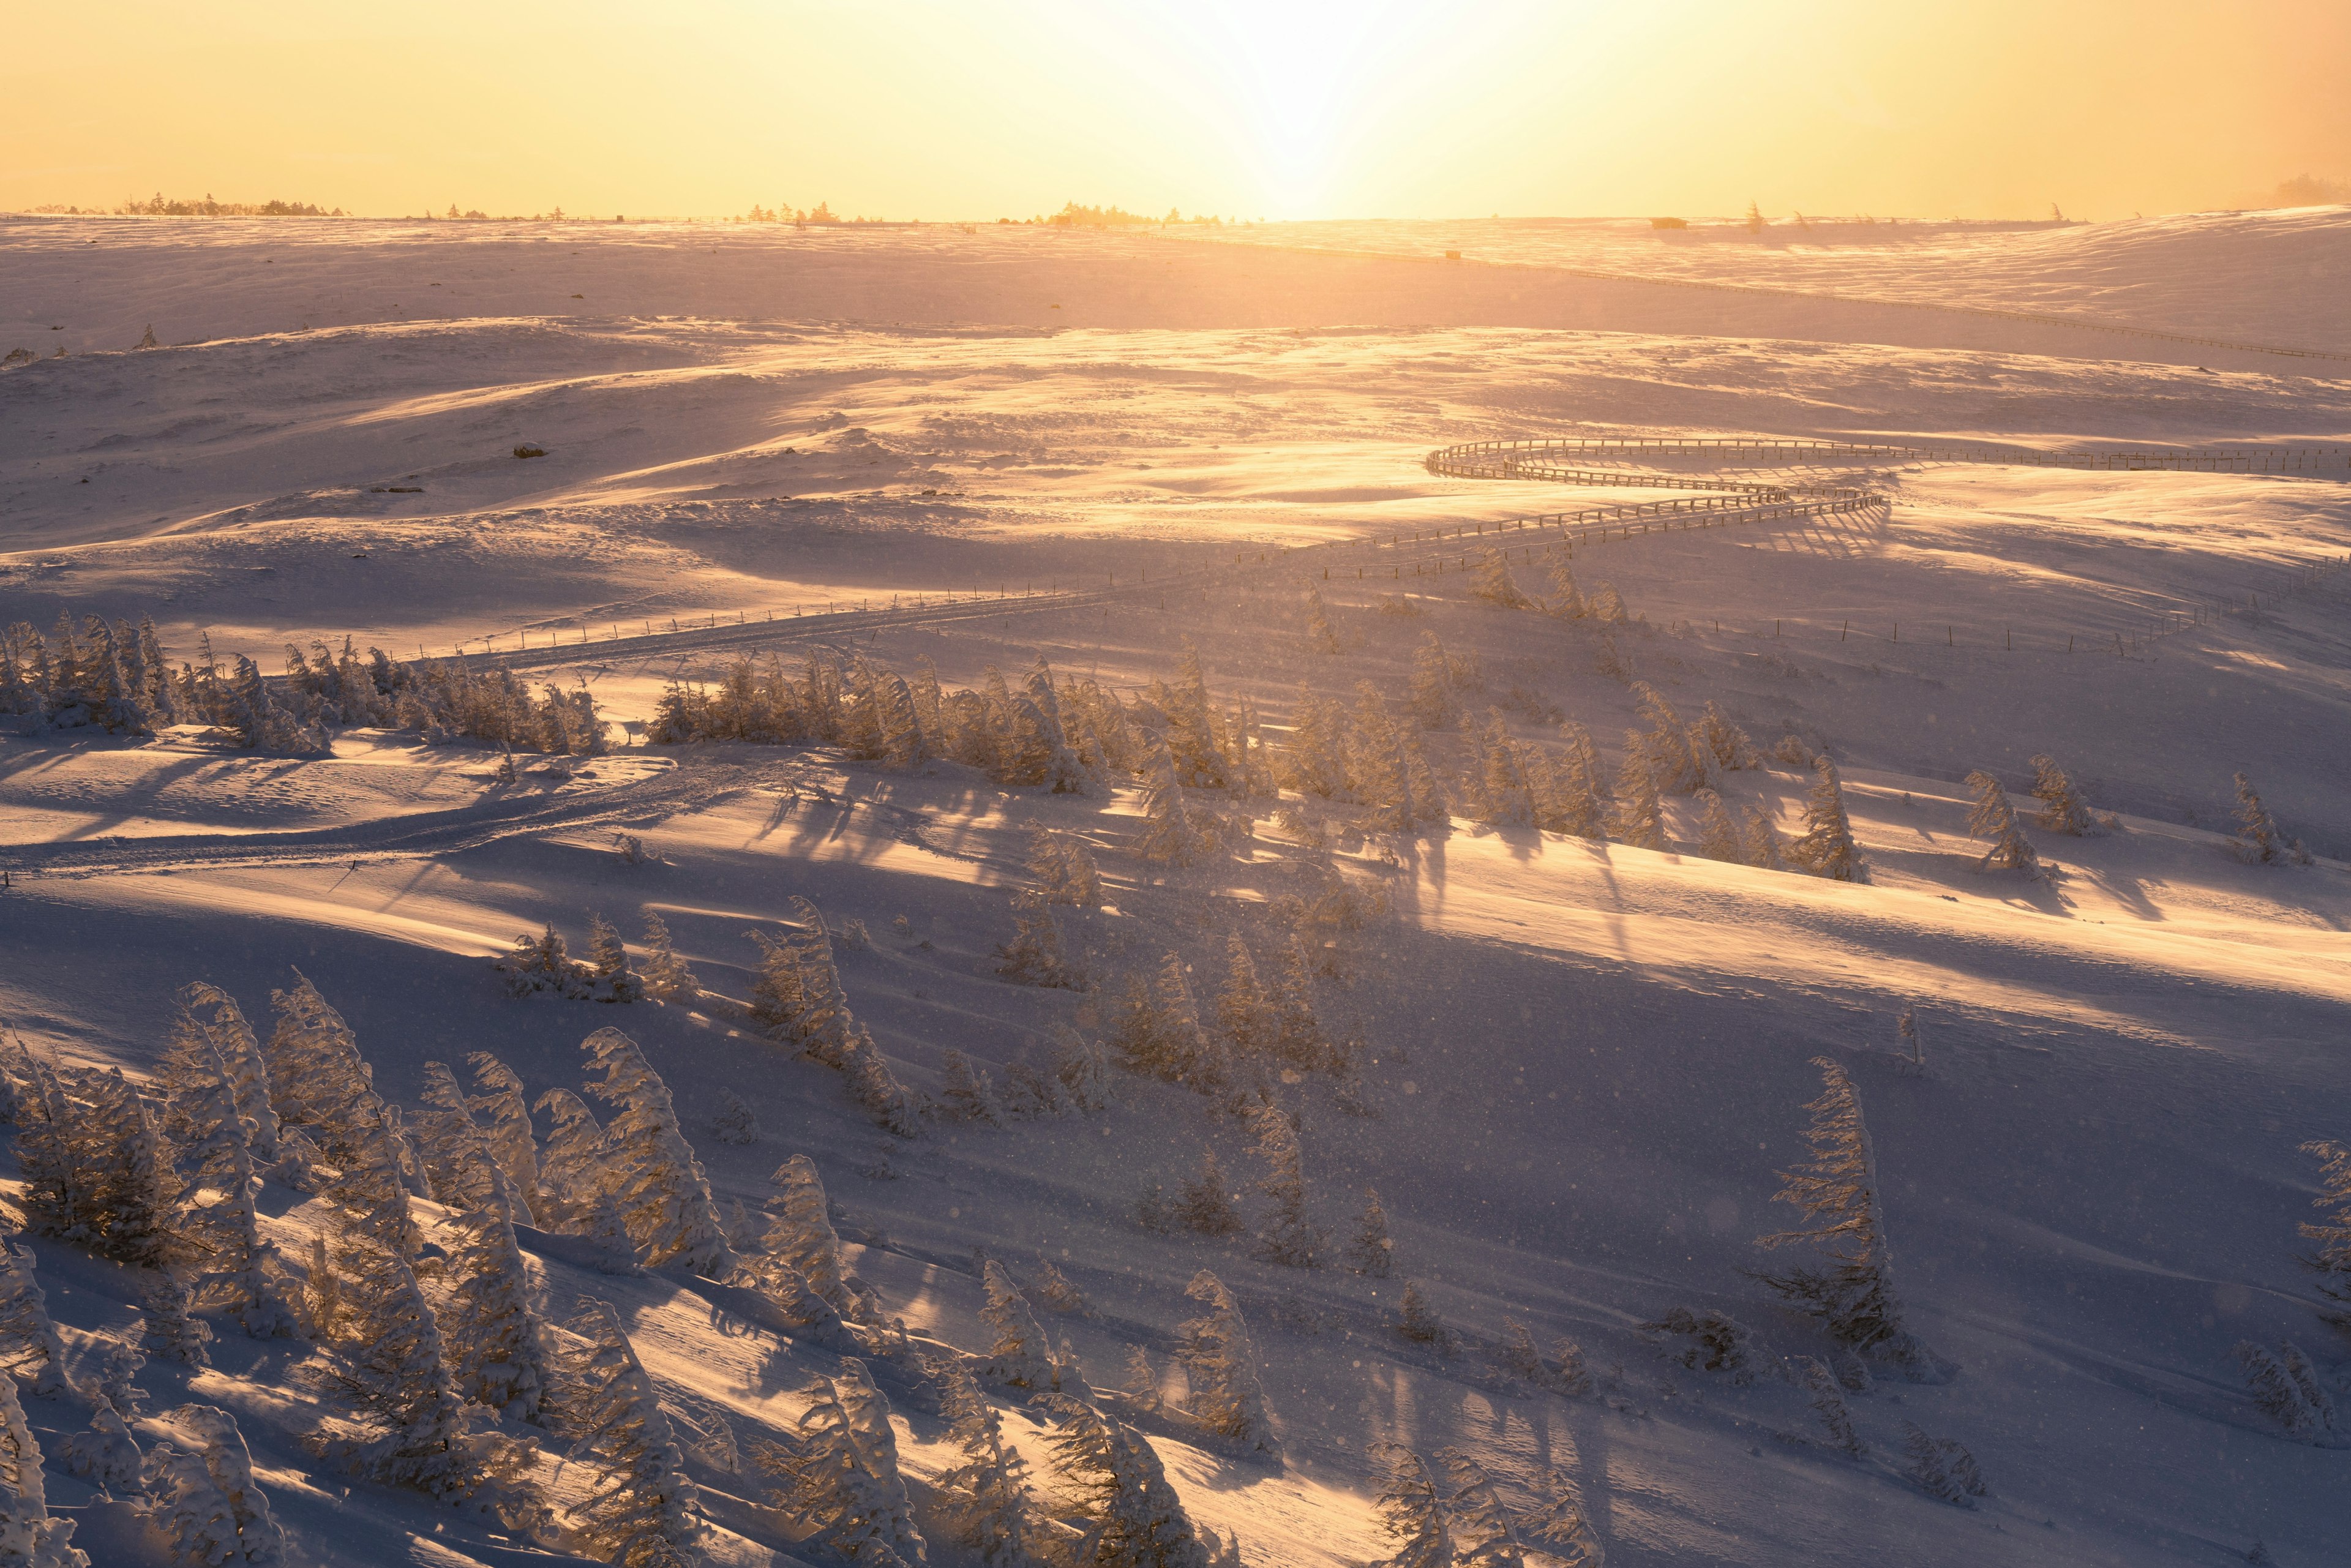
[571, 1165]
[966, 1091]
[1082, 1068]
[1484, 1534]
[1204, 1204]
[1493, 583]
[1430, 688]
[2063, 810]
[1905, 1036]
[97, 1170]
[1168, 835]
[1287, 1233]
[1674, 766]
[541, 966]
[1715, 735]
[29, 1337]
[843, 1480]
[1031, 1091]
[1157, 1032]
[1717, 1342]
[1371, 1251]
[318, 1081]
[995, 1516]
[1640, 814]
[1019, 1356]
[187, 1509]
[1133, 1517]
[1993, 818]
[488, 1318]
[1418, 1320]
[797, 996]
[1836, 1191]
[1245, 1008]
[502, 1110]
[1759, 841]
[28, 1535]
[1574, 1376]
[209, 1012]
[2331, 1259]
[2286, 1388]
[1562, 1524]
[1413, 1515]
[1298, 1037]
[736, 1123]
[1826, 848]
[876, 1089]
[1064, 868]
[1566, 599]
[103, 1453]
[1519, 1355]
[210, 1435]
[666, 978]
[1221, 1365]
[1035, 955]
[2260, 841]
[169, 1329]
[800, 1232]
[1827, 1399]
[649, 1168]
[1055, 1290]
[640, 1512]
[211, 1139]
[611, 978]
[1942, 1468]
[1717, 835]
[1320, 634]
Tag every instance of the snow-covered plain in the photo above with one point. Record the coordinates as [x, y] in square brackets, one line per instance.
[1587, 1062]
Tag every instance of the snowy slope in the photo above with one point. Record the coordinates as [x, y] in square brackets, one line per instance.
[1589, 1062]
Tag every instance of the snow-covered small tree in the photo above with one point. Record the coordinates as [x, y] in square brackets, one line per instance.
[1372, 1251]
[1717, 1342]
[1035, 955]
[209, 1012]
[1484, 1534]
[876, 1089]
[169, 1331]
[1836, 1191]
[609, 977]
[1064, 868]
[642, 1511]
[1942, 1468]
[1905, 1036]
[1562, 1523]
[1019, 1356]
[502, 1110]
[1640, 814]
[1320, 634]
[716, 1446]
[736, 1123]
[1287, 1233]
[995, 1515]
[1031, 1091]
[1204, 1204]
[127, 1190]
[1518, 1356]
[2063, 810]
[1717, 737]
[1717, 835]
[648, 1166]
[800, 1232]
[319, 1080]
[28, 1338]
[1141, 1389]
[1115, 1484]
[488, 1320]
[2260, 841]
[2331, 1258]
[1413, 1515]
[570, 1166]
[28, 1535]
[1055, 1290]
[2285, 1388]
[212, 1144]
[212, 1434]
[1827, 1398]
[1493, 584]
[1567, 1357]
[1168, 835]
[666, 977]
[1430, 689]
[103, 1453]
[843, 1481]
[1566, 599]
[1221, 1365]
[1993, 818]
[1082, 1068]
[1676, 767]
[1418, 1320]
[186, 1508]
[541, 966]
[1825, 847]
[1759, 841]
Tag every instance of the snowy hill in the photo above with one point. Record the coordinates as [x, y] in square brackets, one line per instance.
[1568, 1030]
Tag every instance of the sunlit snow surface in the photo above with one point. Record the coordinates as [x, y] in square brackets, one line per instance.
[1590, 1061]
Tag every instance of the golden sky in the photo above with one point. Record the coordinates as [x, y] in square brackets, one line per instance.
[980, 108]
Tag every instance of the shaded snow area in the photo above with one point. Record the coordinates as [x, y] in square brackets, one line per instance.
[951, 905]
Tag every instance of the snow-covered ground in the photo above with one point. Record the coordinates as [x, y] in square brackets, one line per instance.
[1585, 1062]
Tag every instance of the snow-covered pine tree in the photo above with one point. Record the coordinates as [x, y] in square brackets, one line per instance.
[103, 1453]
[32, 1537]
[371, 1190]
[1220, 1364]
[1717, 835]
[541, 964]
[1319, 633]
[1020, 1356]
[1167, 834]
[1418, 1320]
[1204, 1204]
[1430, 689]
[169, 1331]
[648, 1166]
[2285, 1388]
[1287, 1233]
[1031, 1091]
[666, 977]
[129, 1201]
[1826, 848]
[642, 1512]
[502, 1110]
[570, 1168]
[210, 1012]
[2260, 841]
[1493, 584]
[319, 1080]
[1054, 1288]
[212, 1435]
[1064, 868]
[1640, 814]
[964, 1091]
[1187, 1053]
[736, 1123]
[1413, 1515]
[994, 1515]
[1035, 957]
[1942, 1468]
[876, 1089]
[2331, 1259]
[1298, 1037]
[1723, 740]
[1674, 766]
[201, 1111]
[1836, 1191]
[1993, 818]
[609, 977]
[456, 1157]
[1245, 1010]
[2063, 810]
[1372, 1251]
[29, 1345]
[1827, 1398]
[488, 1320]
[1518, 1356]
[186, 1509]
[1142, 1386]
[1566, 599]
[800, 1232]
[1133, 1517]
[1759, 841]
[1562, 1524]
[1082, 1068]
[1574, 1376]
[716, 1446]
[1905, 1036]
[843, 1481]
[1484, 1535]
